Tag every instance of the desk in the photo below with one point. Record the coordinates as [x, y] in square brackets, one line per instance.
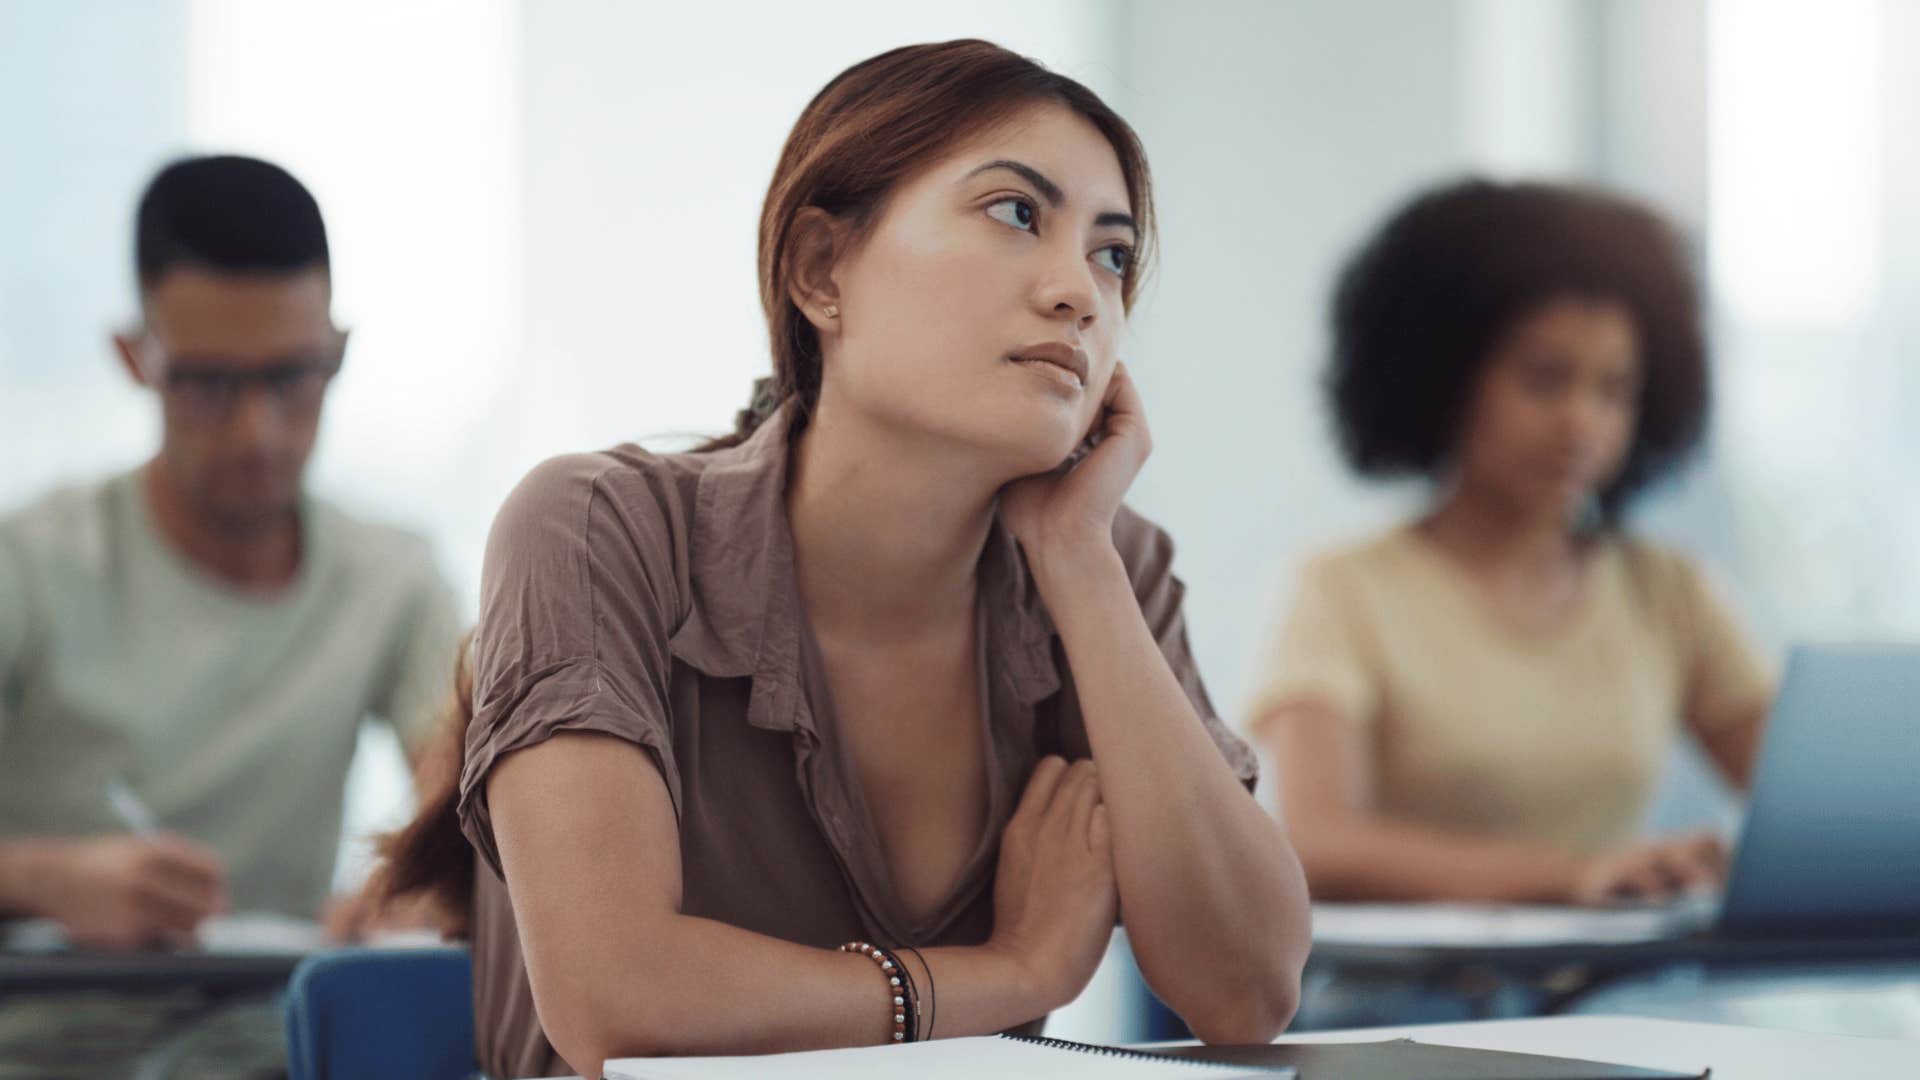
[219, 974]
[1734, 1053]
[1570, 971]
[1627, 956]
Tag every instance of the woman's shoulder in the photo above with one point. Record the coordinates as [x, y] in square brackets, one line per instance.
[581, 520]
[1652, 566]
[637, 487]
[1665, 581]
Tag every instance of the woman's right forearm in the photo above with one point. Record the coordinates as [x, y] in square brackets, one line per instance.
[1365, 858]
[696, 986]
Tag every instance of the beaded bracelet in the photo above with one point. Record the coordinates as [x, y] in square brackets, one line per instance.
[905, 1011]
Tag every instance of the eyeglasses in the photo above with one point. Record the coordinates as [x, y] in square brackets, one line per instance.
[213, 389]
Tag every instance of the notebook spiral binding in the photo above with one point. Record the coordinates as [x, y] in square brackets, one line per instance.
[1114, 1051]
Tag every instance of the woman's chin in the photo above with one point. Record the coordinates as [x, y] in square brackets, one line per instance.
[1050, 455]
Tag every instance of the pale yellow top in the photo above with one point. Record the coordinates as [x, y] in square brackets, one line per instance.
[1556, 737]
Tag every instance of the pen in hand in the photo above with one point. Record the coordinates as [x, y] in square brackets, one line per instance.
[129, 809]
[174, 875]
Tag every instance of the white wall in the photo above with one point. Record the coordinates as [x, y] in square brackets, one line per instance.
[91, 101]
[1279, 134]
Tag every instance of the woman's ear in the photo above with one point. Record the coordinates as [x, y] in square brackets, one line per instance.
[814, 248]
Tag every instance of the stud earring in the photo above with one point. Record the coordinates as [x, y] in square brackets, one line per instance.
[831, 311]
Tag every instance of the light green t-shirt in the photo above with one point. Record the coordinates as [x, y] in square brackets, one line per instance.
[233, 717]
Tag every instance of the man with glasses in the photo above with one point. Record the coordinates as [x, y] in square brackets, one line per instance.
[187, 650]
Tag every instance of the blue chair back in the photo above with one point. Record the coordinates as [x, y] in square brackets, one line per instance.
[370, 1014]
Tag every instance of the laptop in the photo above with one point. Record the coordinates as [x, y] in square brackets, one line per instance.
[1830, 848]
[1831, 842]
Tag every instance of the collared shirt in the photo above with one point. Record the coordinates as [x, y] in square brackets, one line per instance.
[653, 598]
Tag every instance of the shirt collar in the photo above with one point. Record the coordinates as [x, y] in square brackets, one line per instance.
[746, 618]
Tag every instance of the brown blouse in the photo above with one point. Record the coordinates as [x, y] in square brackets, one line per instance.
[653, 598]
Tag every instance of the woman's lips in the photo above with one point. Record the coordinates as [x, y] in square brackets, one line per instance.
[1056, 361]
[1052, 373]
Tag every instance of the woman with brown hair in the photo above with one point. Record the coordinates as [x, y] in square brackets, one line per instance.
[770, 744]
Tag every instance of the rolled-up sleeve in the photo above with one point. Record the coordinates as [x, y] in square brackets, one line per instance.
[576, 608]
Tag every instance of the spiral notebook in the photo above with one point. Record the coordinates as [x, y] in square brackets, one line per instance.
[1014, 1057]
[1002, 1057]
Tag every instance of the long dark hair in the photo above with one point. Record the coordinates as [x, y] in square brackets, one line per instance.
[430, 856]
[871, 127]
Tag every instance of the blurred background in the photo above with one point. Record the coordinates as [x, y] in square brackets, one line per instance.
[543, 217]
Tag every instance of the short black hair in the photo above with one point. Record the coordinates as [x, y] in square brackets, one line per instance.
[1422, 304]
[230, 213]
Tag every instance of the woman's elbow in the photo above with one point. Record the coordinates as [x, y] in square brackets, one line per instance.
[1257, 1005]
[1255, 1015]
[586, 1034]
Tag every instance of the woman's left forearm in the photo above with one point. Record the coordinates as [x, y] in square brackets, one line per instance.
[1213, 897]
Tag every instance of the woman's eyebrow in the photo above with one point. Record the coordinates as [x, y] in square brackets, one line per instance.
[1051, 191]
[1115, 217]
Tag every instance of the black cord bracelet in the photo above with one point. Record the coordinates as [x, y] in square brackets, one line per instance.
[932, 998]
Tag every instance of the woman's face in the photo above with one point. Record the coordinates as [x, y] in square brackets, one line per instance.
[983, 307]
[1553, 415]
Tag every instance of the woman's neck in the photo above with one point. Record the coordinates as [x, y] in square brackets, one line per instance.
[1495, 535]
[887, 532]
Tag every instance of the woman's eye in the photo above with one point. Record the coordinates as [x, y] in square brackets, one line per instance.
[1115, 257]
[1015, 212]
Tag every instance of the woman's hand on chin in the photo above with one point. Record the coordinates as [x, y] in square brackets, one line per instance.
[1064, 515]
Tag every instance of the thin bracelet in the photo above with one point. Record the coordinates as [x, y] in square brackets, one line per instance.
[913, 995]
[892, 969]
[933, 995]
[906, 1006]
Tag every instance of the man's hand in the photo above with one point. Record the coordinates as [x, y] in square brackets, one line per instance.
[125, 892]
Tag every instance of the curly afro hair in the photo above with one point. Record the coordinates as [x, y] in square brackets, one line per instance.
[1423, 303]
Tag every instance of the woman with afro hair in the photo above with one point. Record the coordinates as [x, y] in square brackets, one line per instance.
[1477, 704]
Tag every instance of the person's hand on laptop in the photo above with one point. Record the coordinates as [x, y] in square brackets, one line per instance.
[127, 891]
[1660, 870]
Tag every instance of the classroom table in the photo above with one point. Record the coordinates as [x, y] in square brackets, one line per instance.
[1733, 1053]
[1567, 972]
[218, 974]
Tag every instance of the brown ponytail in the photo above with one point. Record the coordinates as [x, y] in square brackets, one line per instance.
[430, 857]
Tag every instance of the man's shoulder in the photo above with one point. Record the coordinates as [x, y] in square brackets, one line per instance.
[69, 525]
